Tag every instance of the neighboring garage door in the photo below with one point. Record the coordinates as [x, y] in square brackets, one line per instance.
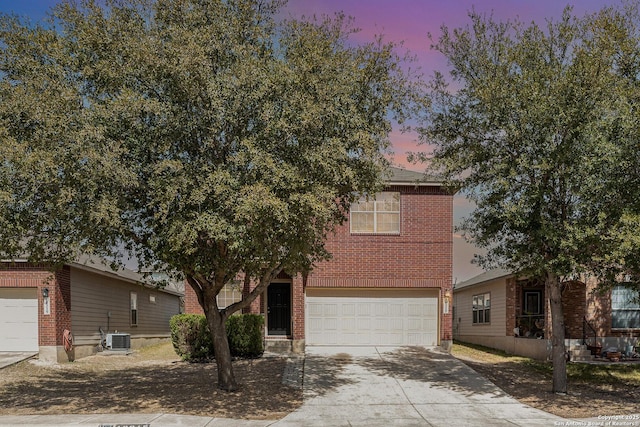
[371, 317]
[18, 319]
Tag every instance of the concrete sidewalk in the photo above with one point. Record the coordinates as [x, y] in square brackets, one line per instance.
[112, 420]
[363, 386]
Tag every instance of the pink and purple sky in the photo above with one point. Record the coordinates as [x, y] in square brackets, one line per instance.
[408, 21]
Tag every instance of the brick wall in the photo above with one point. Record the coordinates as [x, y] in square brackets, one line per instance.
[191, 304]
[599, 313]
[421, 256]
[22, 275]
[573, 305]
[62, 297]
[574, 308]
[297, 311]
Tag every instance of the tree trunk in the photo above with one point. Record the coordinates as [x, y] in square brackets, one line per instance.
[558, 350]
[207, 292]
[222, 353]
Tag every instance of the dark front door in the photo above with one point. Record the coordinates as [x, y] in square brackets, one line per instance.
[279, 309]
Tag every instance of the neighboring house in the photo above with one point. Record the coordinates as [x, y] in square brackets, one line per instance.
[388, 282]
[499, 310]
[37, 306]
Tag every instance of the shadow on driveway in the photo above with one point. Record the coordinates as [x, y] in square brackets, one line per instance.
[322, 374]
[431, 366]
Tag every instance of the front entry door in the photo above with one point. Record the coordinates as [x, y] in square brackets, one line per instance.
[279, 309]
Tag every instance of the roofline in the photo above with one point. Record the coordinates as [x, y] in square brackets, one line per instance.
[123, 278]
[415, 183]
[111, 273]
[482, 282]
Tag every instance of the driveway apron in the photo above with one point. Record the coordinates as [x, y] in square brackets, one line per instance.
[8, 358]
[406, 386]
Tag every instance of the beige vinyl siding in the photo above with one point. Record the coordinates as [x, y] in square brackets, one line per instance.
[93, 296]
[463, 304]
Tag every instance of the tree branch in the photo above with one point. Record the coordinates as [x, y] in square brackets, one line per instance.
[259, 289]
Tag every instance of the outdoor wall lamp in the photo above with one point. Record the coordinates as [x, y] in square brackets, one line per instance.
[46, 305]
[446, 302]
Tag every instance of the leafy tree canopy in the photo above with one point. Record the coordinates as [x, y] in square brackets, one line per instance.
[539, 127]
[205, 137]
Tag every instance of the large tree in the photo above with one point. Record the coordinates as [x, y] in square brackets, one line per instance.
[203, 136]
[538, 125]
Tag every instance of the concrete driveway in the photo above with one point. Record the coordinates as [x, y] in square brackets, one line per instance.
[8, 358]
[364, 386]
[408, 386]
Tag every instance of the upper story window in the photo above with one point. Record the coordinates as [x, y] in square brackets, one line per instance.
[379, 215]
[625, 308]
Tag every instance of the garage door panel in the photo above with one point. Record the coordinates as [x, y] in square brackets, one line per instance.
[314, 310]
[331, 324]
[18, 319]
[348, 309]
[431, 310]
[348, 324]
[364, 309]
[396, 309]
[430, 324]
[19, 330]
[331, 309]
[415, 324]
[396, 324]
[415, 309]
[372, 317]
[360, 338]
[378, 308]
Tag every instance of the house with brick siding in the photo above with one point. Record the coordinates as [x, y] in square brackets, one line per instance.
[388, 283]
[37, 306]
[500, 310]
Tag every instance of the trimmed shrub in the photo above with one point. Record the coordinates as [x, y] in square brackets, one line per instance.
[245, 335]
[192, 340]
[190, 337]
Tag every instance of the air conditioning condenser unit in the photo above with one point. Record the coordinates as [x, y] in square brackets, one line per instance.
[118, 341]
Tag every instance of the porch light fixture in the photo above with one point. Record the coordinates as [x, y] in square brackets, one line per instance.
[446, 301]
[46, 305]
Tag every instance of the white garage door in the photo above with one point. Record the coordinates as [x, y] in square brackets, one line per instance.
[18, 319]
[371, 317]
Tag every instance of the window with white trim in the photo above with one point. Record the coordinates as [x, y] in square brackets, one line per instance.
[229, 294]
[625, 308]
[133, 297]
[482, 308]
[377, 215]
